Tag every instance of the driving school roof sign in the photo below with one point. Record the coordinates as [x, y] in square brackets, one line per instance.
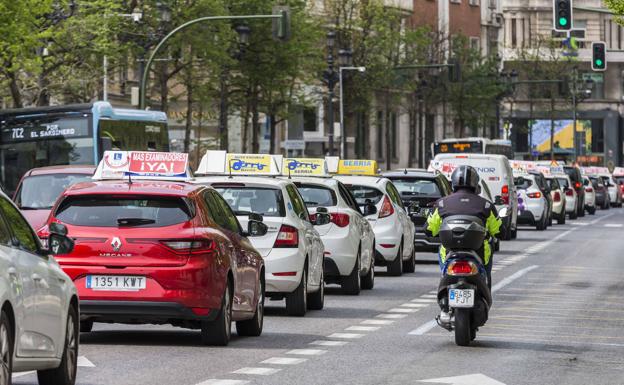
[220, 162]
[357, 167]
[304, 167]
[143, 165]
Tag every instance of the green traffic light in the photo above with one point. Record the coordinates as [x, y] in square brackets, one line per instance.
[599, 62]
[563, 21]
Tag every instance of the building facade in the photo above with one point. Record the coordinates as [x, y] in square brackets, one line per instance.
[534, 116]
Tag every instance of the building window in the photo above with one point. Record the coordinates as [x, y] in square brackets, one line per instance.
[474, 2]
[514, 38]
[310, 119]
[456, 1]
[380, 132]
[474, 43]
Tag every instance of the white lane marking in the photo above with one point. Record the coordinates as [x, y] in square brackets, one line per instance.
[329, 343]
[307, 352]
[392, 316]
[257, 371]
[579, 223]
[425, 328]
[433, 292]
[346, 335]
[429, 296]
[415, 305]
[376, 322]
[84, 362]
[284, 361]
[362, 328]
[214, 381]
[613, 225]
[402, 310]
[424, 300]
[470, 379]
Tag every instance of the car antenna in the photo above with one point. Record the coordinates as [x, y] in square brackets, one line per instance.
[405, 171]
[129, 178]
[289, 173]
[230, 169]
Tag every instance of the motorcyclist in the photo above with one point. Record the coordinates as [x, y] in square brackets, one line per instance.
[465, 200]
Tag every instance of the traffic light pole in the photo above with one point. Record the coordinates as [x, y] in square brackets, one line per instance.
[143, 85]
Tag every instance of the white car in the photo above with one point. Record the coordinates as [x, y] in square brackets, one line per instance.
[532, 204]
[614, 189]
[292, 248]
[394, 230]
[39, 321]
[570, 195]
[558, 198]
[349, 238]
[590, 196]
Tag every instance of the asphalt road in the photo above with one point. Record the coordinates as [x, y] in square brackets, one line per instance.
[557, 319]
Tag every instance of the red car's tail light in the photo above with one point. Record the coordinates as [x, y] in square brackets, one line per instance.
[192, 246]
[535, 195]
[386, 208]
[589, 189]
[462, 268]
[288, 236]
[505, 194]
[570, 192]
[557, 196]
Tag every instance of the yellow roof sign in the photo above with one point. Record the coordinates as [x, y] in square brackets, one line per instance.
[357, 167]
[304, 167]
[220, 162]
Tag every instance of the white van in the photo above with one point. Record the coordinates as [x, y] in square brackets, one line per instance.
[497, 174]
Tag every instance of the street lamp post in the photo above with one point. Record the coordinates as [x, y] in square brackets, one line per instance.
[343, 137]
[578, 94]
[509, 81]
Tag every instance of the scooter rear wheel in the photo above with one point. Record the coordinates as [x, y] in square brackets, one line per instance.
[463, 330]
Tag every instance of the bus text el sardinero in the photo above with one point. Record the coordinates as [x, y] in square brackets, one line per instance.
[473, 146]
[73, 134]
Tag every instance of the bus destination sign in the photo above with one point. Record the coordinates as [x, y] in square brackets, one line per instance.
[458, 147]
[56, 129]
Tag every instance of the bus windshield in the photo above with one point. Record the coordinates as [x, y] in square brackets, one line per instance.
[40, 142]
[133, 135]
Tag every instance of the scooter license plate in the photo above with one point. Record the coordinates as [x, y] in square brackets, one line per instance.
[461, 297]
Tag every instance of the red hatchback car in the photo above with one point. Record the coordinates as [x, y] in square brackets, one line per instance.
[162, 252]
[40, 187]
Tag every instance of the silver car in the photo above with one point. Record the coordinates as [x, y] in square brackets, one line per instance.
[39, 317]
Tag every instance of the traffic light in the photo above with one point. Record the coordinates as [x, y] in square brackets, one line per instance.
[281, 26]
[562, 15]
[599, 56]
[454, 71]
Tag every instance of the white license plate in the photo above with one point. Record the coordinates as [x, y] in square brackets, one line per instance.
[461, 298]
[116, 282]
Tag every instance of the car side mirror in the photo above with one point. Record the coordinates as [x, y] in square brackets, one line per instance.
[58, 241]
[498, 200]
[322, 217]
[255, 226]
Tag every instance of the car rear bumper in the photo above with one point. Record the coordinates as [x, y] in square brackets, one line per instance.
[341, 247]
[526, 218]
[387, 238]
[422, 242]
[140, 312]
[284, 268]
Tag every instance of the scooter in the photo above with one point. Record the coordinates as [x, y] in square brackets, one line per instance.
[464, 291]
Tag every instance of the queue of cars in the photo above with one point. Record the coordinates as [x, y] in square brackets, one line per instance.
[144, 240]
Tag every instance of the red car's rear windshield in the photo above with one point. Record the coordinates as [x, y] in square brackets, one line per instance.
[137, 211]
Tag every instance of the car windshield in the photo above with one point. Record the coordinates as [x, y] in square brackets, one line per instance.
[412, 187]
[619, 179]
[523, 183]
[103, 211]
[364, 193]
[563, 182]
[246, 200]
[607, 181]
[41, 191]
[317, 195]
[552, 183]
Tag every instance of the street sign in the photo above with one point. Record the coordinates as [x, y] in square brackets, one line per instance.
[562, 15]
[293, 144]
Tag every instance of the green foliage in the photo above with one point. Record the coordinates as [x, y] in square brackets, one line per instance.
[617, 6]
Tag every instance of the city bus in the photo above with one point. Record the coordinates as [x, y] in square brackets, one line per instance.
[472, 146]
[73, 134]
